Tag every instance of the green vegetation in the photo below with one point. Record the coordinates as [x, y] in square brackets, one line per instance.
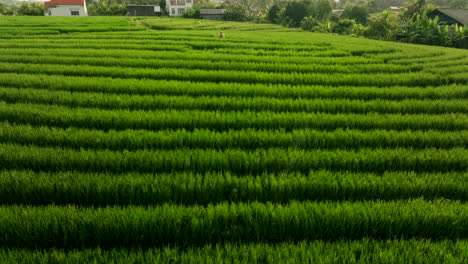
[155, 141]
[413, 23]
[366, 251]
[72, 227]
[187, 188]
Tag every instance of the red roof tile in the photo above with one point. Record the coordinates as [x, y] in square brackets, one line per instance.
[63, 2]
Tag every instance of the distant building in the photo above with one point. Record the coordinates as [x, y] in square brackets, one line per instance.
[451, 16]
[395, 9]
[143, 10]
[65, 8]
[212, 13]
[178, 7]
[338, 12]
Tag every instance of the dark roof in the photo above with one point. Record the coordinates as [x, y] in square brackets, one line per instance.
[63, 2]
[461, 15]
[211, 11]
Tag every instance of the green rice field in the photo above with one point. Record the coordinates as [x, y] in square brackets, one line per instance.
[137, 140]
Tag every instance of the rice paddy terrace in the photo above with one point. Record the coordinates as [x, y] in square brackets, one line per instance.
[131, 141]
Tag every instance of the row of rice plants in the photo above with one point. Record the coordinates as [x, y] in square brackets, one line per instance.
[61, 116]
[171, 87]
[186, 188]
[198, 45]
[238, 161]
[59, 29]
[74, 227]
[178, 24]
[37, 21]
[377, 79]
[446, 69]
[153, 47]
[155, 102]
[430, 58]
[256, 52]
[243, 139]
[144, 46]
[418, 56]
[205, 44]
[179, 36]
[360, 251]
[190, 65]
[14, 33]
[455, 64]
[178, 55]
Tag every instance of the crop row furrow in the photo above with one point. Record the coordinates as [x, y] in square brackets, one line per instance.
[204, 65]
[69, 29]
[197, 75]
[342, 54]
[73, 227]
[244, 139]
[154, 36]
[223, 103]
[234, 160]
[101, 189]
[178, 55]
[60, 116]
[162, 87]
[45, 45]
[365, 251]
[199, 45]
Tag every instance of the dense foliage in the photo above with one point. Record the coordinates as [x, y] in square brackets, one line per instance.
[106, 8]
[23, 9]
[412, 24]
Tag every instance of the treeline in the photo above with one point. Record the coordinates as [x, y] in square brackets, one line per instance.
[381, 5]
[412, 24]
[118, 7]
[25, 9]
[95, 7]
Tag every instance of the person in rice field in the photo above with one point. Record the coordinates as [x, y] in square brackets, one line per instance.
[221, 34]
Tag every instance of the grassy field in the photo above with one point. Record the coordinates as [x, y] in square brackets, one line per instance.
[128, 140]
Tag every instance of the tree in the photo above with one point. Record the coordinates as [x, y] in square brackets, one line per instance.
[162, 5]
[30, 9]
[381, 26]
[254, 9]
[274, 13]
[359, 14]
[310, 23]
[107, 8]
[6, 10]
[411, 9]
[294, 13]
[321, 9]
[194, 11]
[421, 29]
[235, 13]
[343, 27]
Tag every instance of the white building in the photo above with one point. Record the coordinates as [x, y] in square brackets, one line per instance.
[65, 8]
[178, 7]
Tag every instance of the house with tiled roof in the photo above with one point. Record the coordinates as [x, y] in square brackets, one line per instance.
[178, 7]
[65, 8]
[451, 16]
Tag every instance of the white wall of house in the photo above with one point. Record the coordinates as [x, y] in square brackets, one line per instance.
[66, 10]
[178, 7]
